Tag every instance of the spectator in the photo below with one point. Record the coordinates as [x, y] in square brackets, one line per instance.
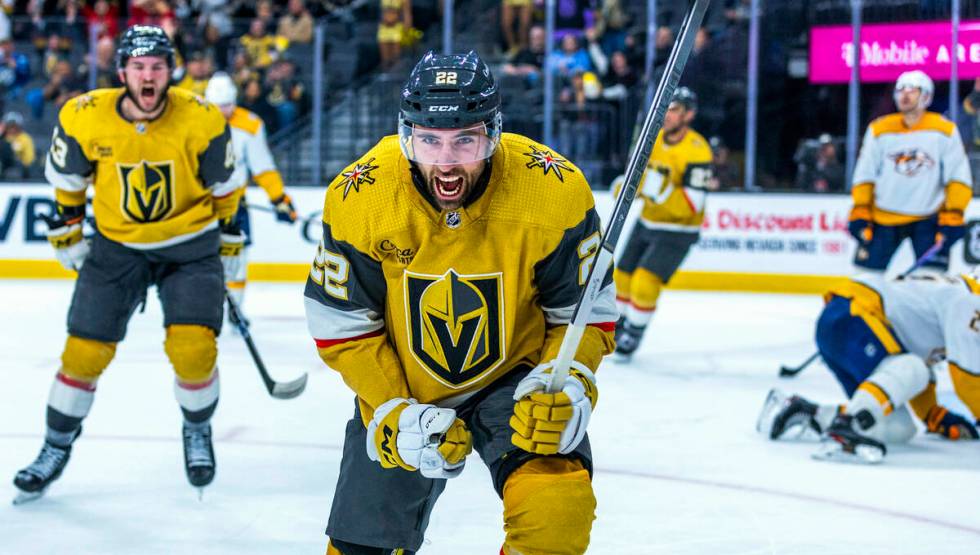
[198, 69]
[152, 12]
[6, 7]
[105, 65]
[265, 11]
[103, 16]
[971, 105]
[522, 11]
[253, 99]
[724, 172]
[15, 69]
[570, 58]
[296, 25]
[21, 145]
[62, 85]
[819, 169]
[284, 93]
[610, 25]
[529, 61]
[396, 20]
[620, 79]
[261, 47]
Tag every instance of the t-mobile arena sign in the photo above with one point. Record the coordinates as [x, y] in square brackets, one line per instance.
[889, 49]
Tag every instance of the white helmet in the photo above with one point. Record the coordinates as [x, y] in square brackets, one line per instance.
[917, 80]
[221, 90]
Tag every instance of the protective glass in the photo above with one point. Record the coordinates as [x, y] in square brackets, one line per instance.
[443, 147]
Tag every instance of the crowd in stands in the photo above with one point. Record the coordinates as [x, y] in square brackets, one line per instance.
[599, 66]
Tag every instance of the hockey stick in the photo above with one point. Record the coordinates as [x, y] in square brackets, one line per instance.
[271, 210]
[790, 371]
[634, 172]
[279, 390]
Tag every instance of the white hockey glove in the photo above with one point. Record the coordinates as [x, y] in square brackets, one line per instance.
[232, 250]
[550, 423]
[406, 434]
[65, 235]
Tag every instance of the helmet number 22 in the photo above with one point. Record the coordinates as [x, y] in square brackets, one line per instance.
[446, 78]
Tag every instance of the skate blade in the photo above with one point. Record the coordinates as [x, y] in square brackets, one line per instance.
[23, 497]
[832, 451]
[200, 495]
[774, 401]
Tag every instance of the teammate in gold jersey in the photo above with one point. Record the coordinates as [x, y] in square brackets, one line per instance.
[451, 261]
[674, 191]
[160, 162]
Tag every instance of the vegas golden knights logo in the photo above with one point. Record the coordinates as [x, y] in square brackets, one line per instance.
[147, 190]
[455, 324]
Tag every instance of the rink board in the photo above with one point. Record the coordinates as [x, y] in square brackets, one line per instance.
[767, 242]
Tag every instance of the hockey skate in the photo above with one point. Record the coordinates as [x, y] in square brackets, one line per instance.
[198, 455]
[786, 417]
[844, 441]
[33, 480]
[627, 338]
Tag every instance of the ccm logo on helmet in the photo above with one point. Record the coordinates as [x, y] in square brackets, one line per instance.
[443, 108]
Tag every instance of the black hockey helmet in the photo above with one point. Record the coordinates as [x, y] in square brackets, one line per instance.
[685, 97]
[450, 91]
[455, 91]
[144, 40]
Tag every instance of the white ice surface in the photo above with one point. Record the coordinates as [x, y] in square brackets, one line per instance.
[679, 467]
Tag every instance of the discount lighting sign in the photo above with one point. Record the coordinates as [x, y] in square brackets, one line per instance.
[887, 50]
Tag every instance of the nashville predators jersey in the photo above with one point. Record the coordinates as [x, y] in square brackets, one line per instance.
[675, 184]
[155, 182]
[252, 155]
[904, 174]
[932, 316]
[405, 300]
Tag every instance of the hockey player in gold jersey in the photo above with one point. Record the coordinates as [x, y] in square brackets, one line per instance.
[674, 190]
[160, 162]
[452, 258]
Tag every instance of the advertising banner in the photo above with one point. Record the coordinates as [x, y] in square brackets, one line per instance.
[748, 235]
[889, 49]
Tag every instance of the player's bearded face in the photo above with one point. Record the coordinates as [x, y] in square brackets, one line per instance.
[451, 161]
[146, 79]
[674, 118]
[908, 99]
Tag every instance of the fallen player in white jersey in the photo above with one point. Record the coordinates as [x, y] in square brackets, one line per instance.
[881, 339]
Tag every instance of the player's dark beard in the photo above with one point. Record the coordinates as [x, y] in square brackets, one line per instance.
[477, 185]
[156, 106]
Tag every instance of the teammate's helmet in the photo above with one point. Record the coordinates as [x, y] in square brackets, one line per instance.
[916, 80]
[221, 90]
[455, 91]
[685, 97]
[144, 40]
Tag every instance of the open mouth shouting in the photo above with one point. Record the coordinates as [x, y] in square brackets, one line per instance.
[448, 190]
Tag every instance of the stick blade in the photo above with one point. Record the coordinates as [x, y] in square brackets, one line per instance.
[289, 390]
[787, 372]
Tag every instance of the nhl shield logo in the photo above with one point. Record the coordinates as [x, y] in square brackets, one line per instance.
[455, 324]
[147, 190]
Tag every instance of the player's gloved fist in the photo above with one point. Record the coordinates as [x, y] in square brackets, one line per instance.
[951, 226]
[406, 434]
[943, 421]
[859, 225]
[550, 423]
[285, 211]
[232, 250]
[65, 235]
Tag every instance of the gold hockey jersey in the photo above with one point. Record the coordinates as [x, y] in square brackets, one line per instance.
[675, 185]
[155, 182]
[407, 301]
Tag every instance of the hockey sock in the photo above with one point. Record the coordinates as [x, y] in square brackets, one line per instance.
[197, 401]
[68, 404]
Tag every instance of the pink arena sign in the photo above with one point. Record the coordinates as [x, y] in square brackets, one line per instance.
[889, 49]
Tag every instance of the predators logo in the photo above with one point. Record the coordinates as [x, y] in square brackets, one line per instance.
[147, 190]
[910, 162]
[455, 324]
